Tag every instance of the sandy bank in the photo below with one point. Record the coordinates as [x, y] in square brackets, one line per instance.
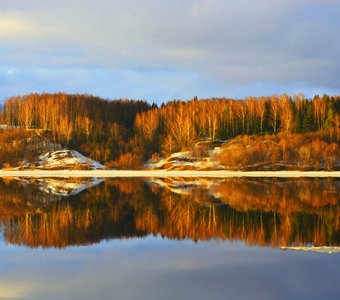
[164, 173]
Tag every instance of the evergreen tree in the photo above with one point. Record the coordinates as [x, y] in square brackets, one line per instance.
[330, 116]
[307, 124]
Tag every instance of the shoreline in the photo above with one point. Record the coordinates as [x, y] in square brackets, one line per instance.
[165, 173]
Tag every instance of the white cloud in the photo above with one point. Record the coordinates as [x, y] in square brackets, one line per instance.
[16, 28]
[226, 41]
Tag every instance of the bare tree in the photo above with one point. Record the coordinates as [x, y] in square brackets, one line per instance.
[26, 113]
[287, 116]
[274, 112]
[261, 110]
[169, 145]
[65, 129]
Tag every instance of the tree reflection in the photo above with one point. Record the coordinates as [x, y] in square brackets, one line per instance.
[276, 212]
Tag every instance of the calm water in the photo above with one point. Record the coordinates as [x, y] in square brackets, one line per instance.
[169, 239]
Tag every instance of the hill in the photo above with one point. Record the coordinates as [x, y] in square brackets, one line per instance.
[261, 133]
[305, 152]
[21, 147]
[33, 149]
[66, 159]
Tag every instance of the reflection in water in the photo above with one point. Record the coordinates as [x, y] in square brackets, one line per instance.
[275, 212]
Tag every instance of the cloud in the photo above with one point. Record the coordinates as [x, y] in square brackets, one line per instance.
[10, 27]
[226, 44]
[14, 28]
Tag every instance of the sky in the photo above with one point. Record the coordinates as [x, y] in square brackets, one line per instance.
[160, 50]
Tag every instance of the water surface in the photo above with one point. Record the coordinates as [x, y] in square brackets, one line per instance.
[169, 238]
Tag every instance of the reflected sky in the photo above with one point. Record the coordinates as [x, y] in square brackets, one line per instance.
[156, 268]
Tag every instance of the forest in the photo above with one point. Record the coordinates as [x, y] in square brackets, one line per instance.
[126, 133]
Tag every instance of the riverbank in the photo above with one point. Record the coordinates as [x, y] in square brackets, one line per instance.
[164, 173]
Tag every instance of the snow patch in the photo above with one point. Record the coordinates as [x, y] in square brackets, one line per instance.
[67, 159]
[186, 161]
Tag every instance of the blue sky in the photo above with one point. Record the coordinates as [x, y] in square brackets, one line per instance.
[161, 50]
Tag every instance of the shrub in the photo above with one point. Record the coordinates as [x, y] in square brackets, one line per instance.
[7, 167]
[126, 161]
[292, 151]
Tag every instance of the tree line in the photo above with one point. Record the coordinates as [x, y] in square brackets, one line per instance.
[99, 128]
[179, 125]
[123, 132]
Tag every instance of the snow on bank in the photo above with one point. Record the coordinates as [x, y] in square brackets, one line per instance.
[186, 161]
[67, 159]
[164, 173]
